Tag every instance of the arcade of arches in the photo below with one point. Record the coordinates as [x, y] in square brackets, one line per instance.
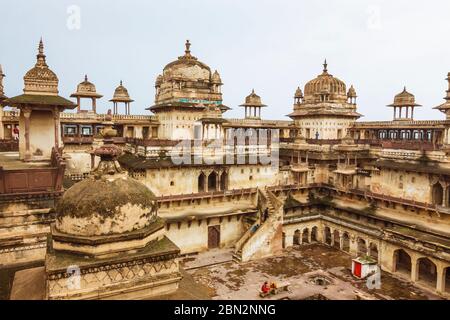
[425, 271]
[213, 181]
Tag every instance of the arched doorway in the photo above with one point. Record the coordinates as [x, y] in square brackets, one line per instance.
[427, 272]
[213, 237]
[402, 262]
[314, 234]
[296, 240]
[437, 194]
[337, 239]
[373, 249]
[224, 181]
[327, 236]
[305, 236]
[362, 247]
[201, 182]
[346, 242]
[212, 181]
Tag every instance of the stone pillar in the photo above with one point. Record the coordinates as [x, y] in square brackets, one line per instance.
[414, 269]
[353, 246]
[56, 124]
[94, 105]
[78, 104]
[445, 196]
[26, 115]
[440, 283]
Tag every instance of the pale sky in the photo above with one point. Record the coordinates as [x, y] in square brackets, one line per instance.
[272, 46]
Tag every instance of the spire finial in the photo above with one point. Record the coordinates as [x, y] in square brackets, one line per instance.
[253, 91]
[325, 65]
[120, 82]
[41, 46]
[188, 46]
[85, 77]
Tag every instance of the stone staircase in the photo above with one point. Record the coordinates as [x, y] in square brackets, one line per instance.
[264, 237]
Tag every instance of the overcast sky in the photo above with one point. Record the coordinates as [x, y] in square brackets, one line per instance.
[272, 46]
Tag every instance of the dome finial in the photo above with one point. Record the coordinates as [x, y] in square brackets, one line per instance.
[41, 47]
[85, 77]
[120, 82]
[325, 65]
[188, 46]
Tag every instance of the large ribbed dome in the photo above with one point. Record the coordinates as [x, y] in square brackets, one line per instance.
[325, 84]
[187, 67]
[40, 79]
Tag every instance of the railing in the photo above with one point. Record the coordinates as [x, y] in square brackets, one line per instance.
[205, 195]
[77, 140]
[324, 141]
[152, 142]
[8, 145]
[34, 180]
[401, 144]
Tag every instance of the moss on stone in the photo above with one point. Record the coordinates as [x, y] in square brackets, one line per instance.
[104, 197]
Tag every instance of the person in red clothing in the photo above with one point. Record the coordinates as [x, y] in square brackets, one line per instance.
[265, 288]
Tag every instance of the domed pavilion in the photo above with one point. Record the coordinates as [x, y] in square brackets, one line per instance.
[108, 241]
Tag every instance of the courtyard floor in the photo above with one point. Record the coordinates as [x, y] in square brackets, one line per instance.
[313, 271]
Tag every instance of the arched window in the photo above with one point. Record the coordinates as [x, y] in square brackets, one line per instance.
[362, 247]
[201, 182]
[402, 262]
[427, 272]
[212, 181]
[305, 236]
[296, 240]
[224, 181]
[437, 194]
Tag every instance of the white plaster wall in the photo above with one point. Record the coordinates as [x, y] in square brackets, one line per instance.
[195, 238]
[42, 133]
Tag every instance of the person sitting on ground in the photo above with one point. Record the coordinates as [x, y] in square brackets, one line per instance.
[265, 288]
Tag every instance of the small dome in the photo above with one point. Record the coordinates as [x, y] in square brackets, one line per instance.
[121, 94]
[404, 99]
[298, 93]
[159, 80]
[253, 100]
[216, 78]
[351, 92]
[325, 84]
[86, 89]
[40, 79]
[109, 201]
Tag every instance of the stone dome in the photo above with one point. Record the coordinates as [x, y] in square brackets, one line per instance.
[216, 78]
[325, 84]
[108, 202]
[404, 99]
[351, 92]
[298, 93]
[159, 80]
[253, 100]
[86, 89]
[40, 79]
[187, 68]
[121, 94]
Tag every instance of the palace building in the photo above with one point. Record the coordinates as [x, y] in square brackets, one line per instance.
[123, 196]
